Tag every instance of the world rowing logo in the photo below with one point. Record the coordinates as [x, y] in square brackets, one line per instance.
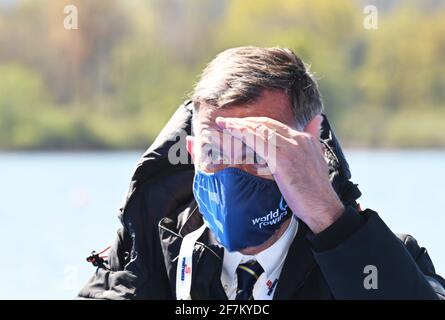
[273, 217]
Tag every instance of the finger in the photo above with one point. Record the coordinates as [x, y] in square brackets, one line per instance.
[314, 126]
[262, 140]
[265, 148]
[254, 122]
[263, 131]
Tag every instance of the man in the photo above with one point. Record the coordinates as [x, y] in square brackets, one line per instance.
[283, 226]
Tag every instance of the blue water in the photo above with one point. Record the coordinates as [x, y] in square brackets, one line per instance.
[57, 207]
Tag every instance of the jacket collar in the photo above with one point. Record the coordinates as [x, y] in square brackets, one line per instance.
[297, 266]
[206, 258]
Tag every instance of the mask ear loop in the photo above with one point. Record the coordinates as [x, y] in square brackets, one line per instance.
[184, 267]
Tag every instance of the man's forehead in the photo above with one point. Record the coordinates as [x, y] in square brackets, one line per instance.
[272, 104]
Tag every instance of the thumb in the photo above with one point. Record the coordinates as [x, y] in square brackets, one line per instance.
[314, 126]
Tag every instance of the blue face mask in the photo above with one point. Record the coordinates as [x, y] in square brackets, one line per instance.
[241, 209]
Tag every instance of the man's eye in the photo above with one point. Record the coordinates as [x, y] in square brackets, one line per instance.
[214, 155]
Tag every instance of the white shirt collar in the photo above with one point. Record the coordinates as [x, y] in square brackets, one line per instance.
[270, 259]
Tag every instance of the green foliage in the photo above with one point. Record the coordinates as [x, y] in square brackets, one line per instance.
[116, 81]
[22, 97]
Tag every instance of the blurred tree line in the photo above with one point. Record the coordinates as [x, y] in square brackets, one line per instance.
[115, 81]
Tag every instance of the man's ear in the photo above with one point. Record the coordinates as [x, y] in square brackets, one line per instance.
[190, 142]
[314, 126]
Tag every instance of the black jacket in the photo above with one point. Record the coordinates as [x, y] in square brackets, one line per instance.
[160, 210]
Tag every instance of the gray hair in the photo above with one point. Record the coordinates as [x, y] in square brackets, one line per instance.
[239, 75]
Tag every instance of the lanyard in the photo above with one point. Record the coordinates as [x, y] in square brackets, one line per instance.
[184, 268]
